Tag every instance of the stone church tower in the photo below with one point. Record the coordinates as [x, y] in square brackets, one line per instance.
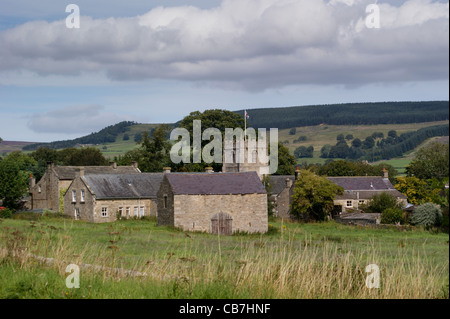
[238, 158]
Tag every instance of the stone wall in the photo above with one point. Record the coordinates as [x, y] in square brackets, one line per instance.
[194, 212]
[283, 203]
[165, 214]
[91, 208]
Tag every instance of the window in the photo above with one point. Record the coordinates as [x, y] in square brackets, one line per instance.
[104, 212]
[121, 211]
[82, 196]
[128, 212]
[39, 189]
[349, 203]
[77, 213]
[136, 211]
[165, 201]
[74, 196]
[362, 202]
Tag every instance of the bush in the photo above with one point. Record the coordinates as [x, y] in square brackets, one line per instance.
[392, 216]
[428, 214]
[381, 202]
[5, 212]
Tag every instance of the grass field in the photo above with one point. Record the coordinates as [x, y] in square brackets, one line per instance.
[323, 260]
[320, 135]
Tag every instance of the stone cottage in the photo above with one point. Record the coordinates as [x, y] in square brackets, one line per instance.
[358, 190]
[105, 197]
[218, 203]
[47, 193]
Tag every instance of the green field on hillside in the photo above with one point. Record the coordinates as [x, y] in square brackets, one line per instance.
[318, 260]
[320, 135]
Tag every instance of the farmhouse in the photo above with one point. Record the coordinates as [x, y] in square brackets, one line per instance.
[358, 190]
[218, 203]
[105, 197]
[47, 193]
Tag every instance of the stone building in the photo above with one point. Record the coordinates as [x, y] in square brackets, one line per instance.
[218, 203]
[282, 189]
[238, 158]
[104, 197]
[47, 193]
[358, 190]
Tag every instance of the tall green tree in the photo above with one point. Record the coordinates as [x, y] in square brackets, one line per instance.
[15, 170]
[430, 162]
[153, 152]
[286, 161]
[313, 196]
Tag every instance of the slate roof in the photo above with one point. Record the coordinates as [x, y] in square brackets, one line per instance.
[70, 172]
[124, 186]
[364, 187]
[279, 183]
[368, 183]
[215, 183]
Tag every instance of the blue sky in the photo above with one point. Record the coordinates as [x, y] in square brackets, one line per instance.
[157, 61]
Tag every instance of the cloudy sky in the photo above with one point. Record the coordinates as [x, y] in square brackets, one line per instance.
[158, 60]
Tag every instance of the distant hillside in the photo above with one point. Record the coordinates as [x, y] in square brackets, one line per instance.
[283, 118]
[106, 135]
[349, 114]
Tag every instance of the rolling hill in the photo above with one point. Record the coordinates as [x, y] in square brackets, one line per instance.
[319, 125]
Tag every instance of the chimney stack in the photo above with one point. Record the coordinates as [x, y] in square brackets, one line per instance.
[385, 173]
[166, 170]
[32, 181]
[81, 171]
[209, 169]
[135, 164]
[50, 165]
[113, 165]
[297, 174]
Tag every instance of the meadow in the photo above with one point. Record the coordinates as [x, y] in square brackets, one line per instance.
[137, 259]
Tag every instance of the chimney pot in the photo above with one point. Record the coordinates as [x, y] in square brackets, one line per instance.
[134, 164]
[113, 165]
[297, 174]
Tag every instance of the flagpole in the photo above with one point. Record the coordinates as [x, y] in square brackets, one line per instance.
[245, 118]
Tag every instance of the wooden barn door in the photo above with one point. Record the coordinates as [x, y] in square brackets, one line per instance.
[221, 224]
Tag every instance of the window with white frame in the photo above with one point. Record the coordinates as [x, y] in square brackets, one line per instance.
[83, 197]
[39, 189]
[128, 212]
[104, 212]
[74, 196]
[121, 211]
[349, 203]
[77, 213]
[362, 202]
[136, 211]
[142, 211]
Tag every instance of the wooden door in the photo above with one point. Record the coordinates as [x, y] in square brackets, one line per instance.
[221, 224]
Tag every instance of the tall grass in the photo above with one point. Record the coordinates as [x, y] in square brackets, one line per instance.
[287, 265]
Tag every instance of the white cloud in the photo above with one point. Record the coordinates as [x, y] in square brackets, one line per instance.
[83, 119]
[251, 44]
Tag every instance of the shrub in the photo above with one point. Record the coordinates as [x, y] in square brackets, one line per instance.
[428, 214]
[392, 216]
[381, 202]
[5, 212]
